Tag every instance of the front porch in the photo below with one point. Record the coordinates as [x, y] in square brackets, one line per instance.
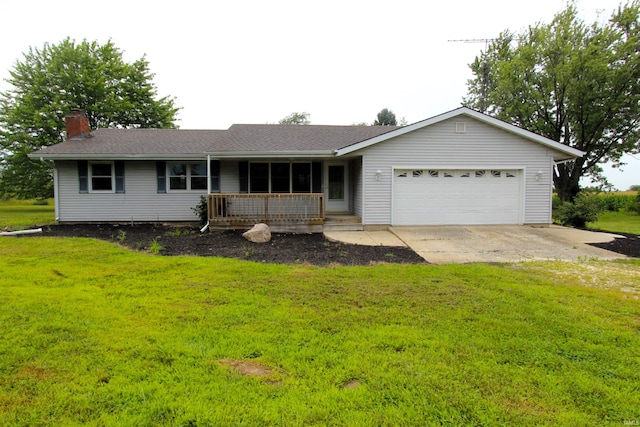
[282, 212]
[287, 212]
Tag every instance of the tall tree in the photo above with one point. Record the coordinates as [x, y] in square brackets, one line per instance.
[296, 119]
[48, 83]
[385, 118]
[575, 83]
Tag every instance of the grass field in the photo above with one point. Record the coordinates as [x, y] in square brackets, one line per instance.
[618, 222]
[19, 214]
[94, 334]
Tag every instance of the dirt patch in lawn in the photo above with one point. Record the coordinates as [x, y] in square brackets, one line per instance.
[248, 367]
[312, 249]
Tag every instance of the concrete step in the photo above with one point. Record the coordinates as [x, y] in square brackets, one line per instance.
[342, 223]
[342, 227]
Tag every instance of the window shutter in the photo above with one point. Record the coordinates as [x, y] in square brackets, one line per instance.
[83, 176]
[161, 173]
[119, 169]
[243, 172]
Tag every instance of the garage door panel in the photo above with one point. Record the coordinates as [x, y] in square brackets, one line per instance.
[427, 197]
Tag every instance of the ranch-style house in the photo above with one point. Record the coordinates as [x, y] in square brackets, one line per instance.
[460, 167]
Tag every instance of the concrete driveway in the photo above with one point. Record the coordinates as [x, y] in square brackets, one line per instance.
[487, 243]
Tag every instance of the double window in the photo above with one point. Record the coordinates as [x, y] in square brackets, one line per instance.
[187, 176]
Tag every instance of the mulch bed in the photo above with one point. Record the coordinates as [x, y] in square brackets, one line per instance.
[629, 245]
[312, 249]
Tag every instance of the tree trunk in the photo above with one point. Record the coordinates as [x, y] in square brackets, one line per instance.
[567, 180]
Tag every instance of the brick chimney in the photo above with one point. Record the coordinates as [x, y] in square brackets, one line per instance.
[77, 125]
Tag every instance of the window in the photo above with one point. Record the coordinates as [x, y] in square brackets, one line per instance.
[496, 174]
[258, 177]
[280, 177]
[465, 175]
[101, 176]
[434, 173]
[448, 174]
[301, 177]
[187, 176]
[479, 174]
[198, 176]
[177, 176]
[417, 174]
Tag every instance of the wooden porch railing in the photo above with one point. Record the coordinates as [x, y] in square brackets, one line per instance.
[272, 208]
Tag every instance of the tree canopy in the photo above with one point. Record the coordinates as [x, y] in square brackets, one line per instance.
[574, 83]
[385, 118]
[296, 119]
[47, 83]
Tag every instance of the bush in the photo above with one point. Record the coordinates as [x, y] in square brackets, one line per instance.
[585, 208]
[202, 210]
[611, 202]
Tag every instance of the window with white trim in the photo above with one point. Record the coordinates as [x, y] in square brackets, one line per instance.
[187, 176]
[101, 177]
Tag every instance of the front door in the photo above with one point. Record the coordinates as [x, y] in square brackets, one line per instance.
[337, 188]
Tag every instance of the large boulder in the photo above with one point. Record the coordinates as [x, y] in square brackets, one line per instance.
[260, 233]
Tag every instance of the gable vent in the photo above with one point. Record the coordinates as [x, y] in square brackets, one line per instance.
[461, 127]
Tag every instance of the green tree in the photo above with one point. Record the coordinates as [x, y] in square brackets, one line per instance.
[296, 119]
[575, 83]
[385, 118]
[51, 81]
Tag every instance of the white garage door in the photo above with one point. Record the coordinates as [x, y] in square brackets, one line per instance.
[446, 196]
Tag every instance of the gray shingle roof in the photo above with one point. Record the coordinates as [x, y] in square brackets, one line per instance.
[237, 139]
[137, 142]
[279, 138]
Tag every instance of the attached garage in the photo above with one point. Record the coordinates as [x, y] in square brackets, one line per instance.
[432, 196]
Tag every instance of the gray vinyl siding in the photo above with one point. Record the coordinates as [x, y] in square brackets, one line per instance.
[140, 202]
[439, 146]
[229, 181]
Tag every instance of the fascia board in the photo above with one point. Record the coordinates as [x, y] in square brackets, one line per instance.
[88, 156]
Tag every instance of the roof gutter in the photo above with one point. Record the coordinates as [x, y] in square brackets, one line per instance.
[271, 154]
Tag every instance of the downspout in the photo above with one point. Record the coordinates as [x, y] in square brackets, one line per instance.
[56, 201]
[206, 226]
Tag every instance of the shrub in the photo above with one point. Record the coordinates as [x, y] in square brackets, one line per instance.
[202, 210]
[612, 202]
[585, 208]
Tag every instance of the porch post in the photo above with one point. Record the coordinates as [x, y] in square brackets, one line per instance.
[208, 174]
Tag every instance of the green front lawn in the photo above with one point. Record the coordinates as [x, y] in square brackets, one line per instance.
[94, 334]
[617, 222]
[19, 214]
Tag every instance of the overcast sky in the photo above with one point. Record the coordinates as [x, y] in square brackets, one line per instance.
[255, 61]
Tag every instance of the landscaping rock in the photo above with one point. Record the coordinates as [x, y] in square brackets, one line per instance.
[260, 233]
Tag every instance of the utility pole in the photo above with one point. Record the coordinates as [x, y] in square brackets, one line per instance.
[484, 83]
